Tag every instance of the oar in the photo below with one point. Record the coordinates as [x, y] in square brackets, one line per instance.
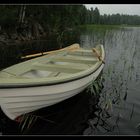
[70, 48]
[98, 55]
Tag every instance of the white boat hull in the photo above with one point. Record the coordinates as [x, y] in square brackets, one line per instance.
[17, 101]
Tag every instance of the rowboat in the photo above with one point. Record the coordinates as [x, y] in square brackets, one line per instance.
[49, 79]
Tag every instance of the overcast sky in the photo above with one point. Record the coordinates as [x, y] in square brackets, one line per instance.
[130, 9]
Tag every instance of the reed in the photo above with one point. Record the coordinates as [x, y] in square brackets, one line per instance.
[27, 121]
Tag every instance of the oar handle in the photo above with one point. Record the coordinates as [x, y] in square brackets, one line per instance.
[98, 55]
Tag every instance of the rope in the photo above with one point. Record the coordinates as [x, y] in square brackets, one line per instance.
[98, 55]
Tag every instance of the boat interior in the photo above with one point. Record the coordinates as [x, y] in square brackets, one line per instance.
[53, 65]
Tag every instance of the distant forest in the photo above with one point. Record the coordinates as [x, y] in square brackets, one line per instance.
[33, 21]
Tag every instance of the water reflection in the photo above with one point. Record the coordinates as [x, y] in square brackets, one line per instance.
[119, 101]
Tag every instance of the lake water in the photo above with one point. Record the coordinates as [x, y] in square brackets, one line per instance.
[116, 110]
[120, 96]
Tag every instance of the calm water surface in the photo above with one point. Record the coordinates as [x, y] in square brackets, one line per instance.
[120, 97]
[116, 111]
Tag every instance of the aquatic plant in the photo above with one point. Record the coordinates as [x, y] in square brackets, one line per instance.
[117, 76]
[27, 121]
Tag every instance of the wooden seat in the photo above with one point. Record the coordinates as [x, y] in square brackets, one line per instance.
[75, 60]
[58, 68]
